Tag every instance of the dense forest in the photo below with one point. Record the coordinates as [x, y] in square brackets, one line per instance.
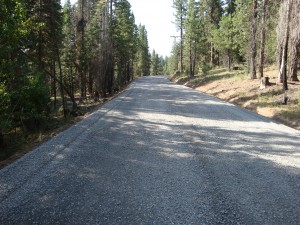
[54, 57]
[251, 33]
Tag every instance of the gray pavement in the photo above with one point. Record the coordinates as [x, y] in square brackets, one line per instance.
[159, 154]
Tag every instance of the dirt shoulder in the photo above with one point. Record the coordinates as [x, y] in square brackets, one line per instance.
[237, 88]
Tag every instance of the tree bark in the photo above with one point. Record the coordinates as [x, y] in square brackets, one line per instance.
[181, 40]
[280, 55]
[212, 54]
[294, 61]
[263, 40]
[283, 69]
[191, 61]
[54, 85]
[253, 41]
[229, 59]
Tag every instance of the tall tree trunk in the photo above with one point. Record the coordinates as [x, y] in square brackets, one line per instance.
[263, 40]
[194, 58]
[40, 39]
[294, 51]
[212, 54]
[229, 59]
[110, 58]
[61, 83]
[181, 37]
[91, 80]
[253, 41]
[181, 45]
[280, 55]
[82, 69]
[191, 60]
[283, 69]
[54, 84]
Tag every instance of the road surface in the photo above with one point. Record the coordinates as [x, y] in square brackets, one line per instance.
[159, 154]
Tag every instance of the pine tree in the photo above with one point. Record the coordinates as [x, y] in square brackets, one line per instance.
[214, 15]
[143, 59]
[180, 7]
[125, 39]
[195, 34]
[224, 38]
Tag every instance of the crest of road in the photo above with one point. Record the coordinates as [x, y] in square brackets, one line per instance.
[159, 153]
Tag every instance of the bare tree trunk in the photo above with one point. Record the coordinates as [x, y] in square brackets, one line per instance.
[194, 58]
[91, 81]
[212, 54]
[253, 41]
[280, 54]
[229, 59]
[81, 44]
[295, 40]
[110, 58]
[283, 69]
[181, 44]
[54, 84]
[191, 60]
[294, 61]
[61, 83]
[40, 40]
[263, 40]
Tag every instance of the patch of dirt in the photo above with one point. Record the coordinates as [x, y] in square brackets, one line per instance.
[237, 88]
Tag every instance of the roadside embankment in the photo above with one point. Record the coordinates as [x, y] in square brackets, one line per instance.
[236, 87]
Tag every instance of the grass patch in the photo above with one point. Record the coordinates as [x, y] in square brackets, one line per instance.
[214, 77]
[275, 92]
[268, 99]
[292, 112]
[209, 75]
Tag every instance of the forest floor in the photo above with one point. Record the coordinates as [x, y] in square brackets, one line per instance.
[18, 143]
[236, 87]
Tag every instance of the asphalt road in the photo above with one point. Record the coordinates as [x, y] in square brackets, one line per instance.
[159, 154]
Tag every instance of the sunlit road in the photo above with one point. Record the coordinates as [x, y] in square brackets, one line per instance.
[159, 154]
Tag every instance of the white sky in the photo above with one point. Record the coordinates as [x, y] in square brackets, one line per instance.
[157, 16]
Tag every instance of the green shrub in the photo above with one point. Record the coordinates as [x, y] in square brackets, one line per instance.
[205, 69]
[30, 102]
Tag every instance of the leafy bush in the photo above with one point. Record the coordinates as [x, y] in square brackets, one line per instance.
[30, 102]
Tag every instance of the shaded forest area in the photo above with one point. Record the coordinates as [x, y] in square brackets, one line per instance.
[57, 61]
[237, 33]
